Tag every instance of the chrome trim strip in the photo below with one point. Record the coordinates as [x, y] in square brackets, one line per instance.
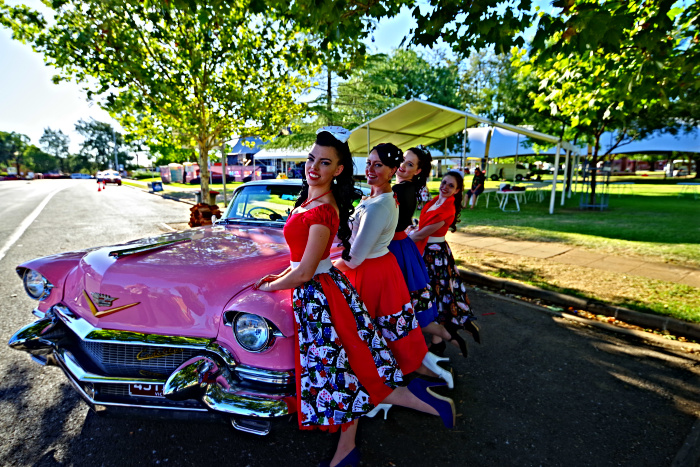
[266, 376]
[38, 313]
[149, 247]
[260, 432]
[221, 400]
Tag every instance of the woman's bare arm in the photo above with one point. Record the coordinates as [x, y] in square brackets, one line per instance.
[319, 235]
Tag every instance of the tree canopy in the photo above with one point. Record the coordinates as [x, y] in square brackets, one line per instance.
[188, 73]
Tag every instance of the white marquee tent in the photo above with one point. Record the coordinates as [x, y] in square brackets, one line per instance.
[656, 142]
[419, 122]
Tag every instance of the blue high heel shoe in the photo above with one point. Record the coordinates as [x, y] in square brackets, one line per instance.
[444, 406]
[351, 460]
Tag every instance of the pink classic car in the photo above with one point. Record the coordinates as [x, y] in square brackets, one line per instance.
[170, 325]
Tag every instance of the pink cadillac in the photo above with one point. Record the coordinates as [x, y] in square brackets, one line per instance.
[170, 324]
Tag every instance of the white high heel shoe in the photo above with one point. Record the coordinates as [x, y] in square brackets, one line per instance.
[431, 362]
[372, 413]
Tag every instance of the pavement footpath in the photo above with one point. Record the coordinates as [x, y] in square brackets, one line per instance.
[580, 258]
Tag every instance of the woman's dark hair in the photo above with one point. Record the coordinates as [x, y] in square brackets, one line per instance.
[389, 154]
[343, 188]
[458, 197]
[424, 164]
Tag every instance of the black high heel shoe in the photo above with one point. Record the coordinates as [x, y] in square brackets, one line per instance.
[438, 349]
[454, 336]
[471, 327]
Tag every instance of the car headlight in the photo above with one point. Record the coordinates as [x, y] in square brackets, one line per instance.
[251, 331]
[36, 285]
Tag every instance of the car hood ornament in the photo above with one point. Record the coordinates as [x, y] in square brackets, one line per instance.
[103, 299]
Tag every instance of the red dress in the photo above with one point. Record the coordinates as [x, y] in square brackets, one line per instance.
[447, 285]
[443, 213]
[343, 365]
[382, 287]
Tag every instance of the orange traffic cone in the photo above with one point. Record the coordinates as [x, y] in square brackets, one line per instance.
[104, 185]
[99, 187]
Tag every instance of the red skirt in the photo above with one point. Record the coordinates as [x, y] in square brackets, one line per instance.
[382, 288]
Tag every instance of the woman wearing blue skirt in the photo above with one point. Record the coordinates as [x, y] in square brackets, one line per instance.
[412, 176]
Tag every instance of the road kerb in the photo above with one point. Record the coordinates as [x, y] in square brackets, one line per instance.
[648, 337]
[673, 326]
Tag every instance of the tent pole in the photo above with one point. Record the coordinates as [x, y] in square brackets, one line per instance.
[487, 147]
[577, 161]
[445, 155]
[464, 144]
[368, 140]
[567, 181]
[553, 197]
[224, 161]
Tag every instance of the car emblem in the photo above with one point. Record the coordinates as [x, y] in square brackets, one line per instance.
[156, 353]
[103, 299]
[101, 313]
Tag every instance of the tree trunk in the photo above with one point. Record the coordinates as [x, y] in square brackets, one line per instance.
[329, 96]
[204, 170]
[594, 171]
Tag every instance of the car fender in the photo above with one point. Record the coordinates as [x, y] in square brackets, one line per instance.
[56, 269]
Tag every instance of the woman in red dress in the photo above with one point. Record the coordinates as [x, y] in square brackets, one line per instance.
[343, 366]
[437, 217]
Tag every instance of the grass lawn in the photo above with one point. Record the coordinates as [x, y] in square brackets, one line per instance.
[649, 221]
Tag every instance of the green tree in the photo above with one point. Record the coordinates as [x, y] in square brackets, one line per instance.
[40, 161]
[55, 143]
[99, 143]
[12, 147]
[188, 73]
[168, 153]
[383, 82]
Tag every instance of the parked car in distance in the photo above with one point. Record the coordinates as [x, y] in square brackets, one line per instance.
[170, 324]
[507, 171]
[262, 176]
[80, 176]
[109, 176]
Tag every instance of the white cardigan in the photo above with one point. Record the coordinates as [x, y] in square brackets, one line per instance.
[373, 226]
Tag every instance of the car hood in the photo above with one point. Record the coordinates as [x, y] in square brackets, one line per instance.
[174, 284]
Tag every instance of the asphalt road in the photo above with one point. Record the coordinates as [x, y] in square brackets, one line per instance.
[539, 391]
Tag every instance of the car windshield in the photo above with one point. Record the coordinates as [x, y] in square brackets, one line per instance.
[263, 203]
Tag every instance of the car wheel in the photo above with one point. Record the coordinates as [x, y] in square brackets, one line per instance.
[518, 177]
[494, 177]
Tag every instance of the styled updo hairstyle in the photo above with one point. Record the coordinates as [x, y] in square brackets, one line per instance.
[425, 161]
[343, 188]
[389, 154]
[457, 196]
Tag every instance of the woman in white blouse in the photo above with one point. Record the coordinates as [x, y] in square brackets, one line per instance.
[376, 275]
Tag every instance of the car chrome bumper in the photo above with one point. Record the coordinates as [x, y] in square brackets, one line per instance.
[209, 382]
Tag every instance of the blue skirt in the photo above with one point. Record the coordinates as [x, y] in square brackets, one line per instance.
[417, 279]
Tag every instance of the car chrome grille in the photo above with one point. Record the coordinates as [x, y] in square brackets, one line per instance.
[136, 360]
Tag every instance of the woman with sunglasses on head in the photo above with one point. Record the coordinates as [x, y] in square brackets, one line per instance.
[412, 176]
[343, 366]
[375, 273]
[437, 217]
